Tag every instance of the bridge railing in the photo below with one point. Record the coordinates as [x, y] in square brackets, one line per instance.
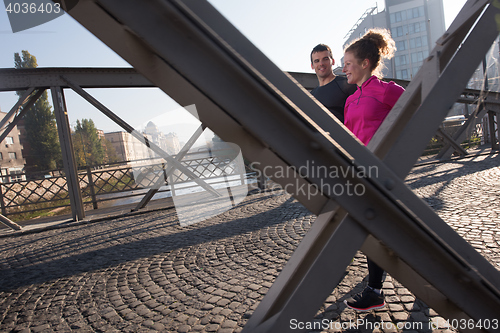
[113, 184]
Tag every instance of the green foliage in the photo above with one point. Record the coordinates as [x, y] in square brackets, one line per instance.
[88, 147]
[87, 144]
[26, 61]
[40, 125]
[111, 155]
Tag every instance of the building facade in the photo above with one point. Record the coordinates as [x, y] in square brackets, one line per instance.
[415, 25]
[127, 147]
[12, 162]
[168, 142]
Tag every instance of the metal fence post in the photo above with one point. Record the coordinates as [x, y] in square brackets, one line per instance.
[2, 203]
[492, 130]
[262, 181]
[91, 186]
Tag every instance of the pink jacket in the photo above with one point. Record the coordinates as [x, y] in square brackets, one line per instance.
[366, 109]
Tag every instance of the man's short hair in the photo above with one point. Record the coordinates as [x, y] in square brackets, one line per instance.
[321, 48]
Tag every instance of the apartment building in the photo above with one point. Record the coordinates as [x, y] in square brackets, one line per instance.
[415, 25]
[12, 162]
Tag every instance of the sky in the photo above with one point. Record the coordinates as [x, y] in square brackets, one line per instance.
[284, 30]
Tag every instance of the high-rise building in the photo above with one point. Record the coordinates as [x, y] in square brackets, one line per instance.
[415, 25]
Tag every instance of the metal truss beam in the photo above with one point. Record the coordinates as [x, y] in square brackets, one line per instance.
[149, 195]
[446, 137]
[190, 51]
[34, 80]
[68, 155]
[11, 224]
[140, 137]
[25, 78]
[20, 79]
[24, 102]
[437, 85]
[461, 134]
[493, 124]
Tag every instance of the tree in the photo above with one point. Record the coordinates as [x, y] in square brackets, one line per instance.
[88, 147]
[111, 155]
[42, 150]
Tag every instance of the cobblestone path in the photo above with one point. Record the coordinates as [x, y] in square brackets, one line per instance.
[145, 273]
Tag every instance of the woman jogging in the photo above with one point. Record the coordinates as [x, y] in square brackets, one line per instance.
[364, 112]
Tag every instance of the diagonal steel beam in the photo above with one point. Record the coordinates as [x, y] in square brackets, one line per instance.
[140, 137]
[244, 98]
[19, 104]
[26, 101]
[11, 224]
[436, 86]
[460, 135]
[450, 141]
[149, 195]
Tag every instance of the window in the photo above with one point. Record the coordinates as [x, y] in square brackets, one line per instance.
[403, 15]
[16, 175]
[1, 156]
[415, 12]
[9, 140]
[420, 56]
[405, 30]
[418, 42]
[399, 32]
[402, 74]
[417, 57]
[409, 14]
[404, 59]
[13, 156]
[401, 45]
[401, 60]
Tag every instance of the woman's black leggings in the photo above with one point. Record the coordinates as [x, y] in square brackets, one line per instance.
[375, 275]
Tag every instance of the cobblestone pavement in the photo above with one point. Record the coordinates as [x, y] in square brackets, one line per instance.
[145, 273]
